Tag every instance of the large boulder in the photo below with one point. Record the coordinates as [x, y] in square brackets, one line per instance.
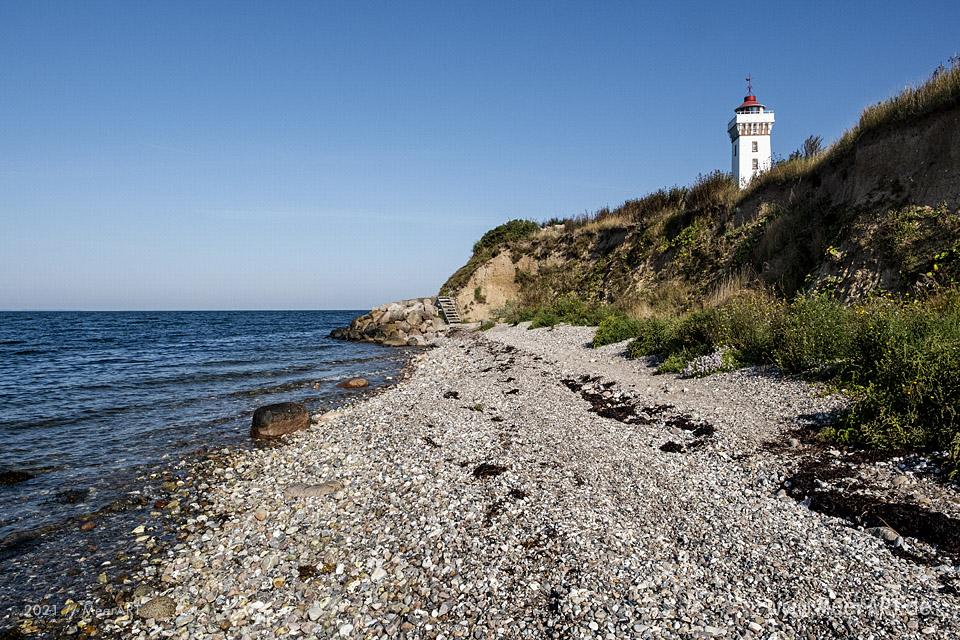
[354, 383]
[159, 608]
[275, 420]
[415, 318]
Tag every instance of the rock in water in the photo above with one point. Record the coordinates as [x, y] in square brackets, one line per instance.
[275, 420]
[354, 383]
[159, 608]
[13, 477]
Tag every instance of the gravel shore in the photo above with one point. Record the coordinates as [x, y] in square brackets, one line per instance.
[518, 484]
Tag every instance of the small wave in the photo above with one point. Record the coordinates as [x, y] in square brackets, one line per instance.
[29, 352]
[274, 389]
[197, 377]
[92, 394]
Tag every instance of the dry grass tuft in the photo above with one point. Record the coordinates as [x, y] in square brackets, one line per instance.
[742, 282]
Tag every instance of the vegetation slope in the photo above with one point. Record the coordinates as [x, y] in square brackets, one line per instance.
[840, 263]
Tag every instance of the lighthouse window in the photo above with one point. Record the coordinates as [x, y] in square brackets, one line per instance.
[734, 150]
[753, 146]
[756, 164]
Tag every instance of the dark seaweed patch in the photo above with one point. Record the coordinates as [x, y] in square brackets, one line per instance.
[455, 395]
[907, 519]
[704, 430]
[486, 470]
[621, 408]
[605, 405]
[682, 421]
[671, 447]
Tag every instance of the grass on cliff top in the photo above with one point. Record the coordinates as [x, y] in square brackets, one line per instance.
[709, 191]
[675, 221]
[941, 91]
[718, 189]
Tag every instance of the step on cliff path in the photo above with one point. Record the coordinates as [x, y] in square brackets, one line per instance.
[517, 484]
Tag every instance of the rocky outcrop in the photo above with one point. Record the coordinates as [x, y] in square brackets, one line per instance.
[416, 322]
[275, 420]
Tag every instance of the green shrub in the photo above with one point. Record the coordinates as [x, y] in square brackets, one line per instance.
[506, 233]
[616, 328]
[568, 309]
[811, 332]
[653, 336]
[486, 325]
[815, 332]
[899, 361]
[544, 318]
[675, 362]
[751, 319]
[904, 377]
[511, 313]
[700, 332]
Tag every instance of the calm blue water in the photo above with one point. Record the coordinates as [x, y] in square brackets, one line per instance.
[87, 400]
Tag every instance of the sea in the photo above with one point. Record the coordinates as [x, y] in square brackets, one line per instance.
[91, 402]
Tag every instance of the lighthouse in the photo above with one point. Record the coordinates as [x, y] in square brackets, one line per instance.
[749, 133]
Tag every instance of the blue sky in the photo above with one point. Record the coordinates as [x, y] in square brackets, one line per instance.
[262, 155]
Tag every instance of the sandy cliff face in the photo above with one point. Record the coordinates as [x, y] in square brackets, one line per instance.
[879, 216]
[494, 284]
[490, 287]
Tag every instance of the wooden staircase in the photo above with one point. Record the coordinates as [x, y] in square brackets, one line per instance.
[448, 306]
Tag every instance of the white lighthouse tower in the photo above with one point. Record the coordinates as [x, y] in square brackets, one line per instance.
[750, 132]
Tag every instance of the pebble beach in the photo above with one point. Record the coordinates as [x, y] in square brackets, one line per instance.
[519, 484]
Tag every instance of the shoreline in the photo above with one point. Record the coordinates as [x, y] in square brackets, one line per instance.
[515, 483]
[166, 499]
